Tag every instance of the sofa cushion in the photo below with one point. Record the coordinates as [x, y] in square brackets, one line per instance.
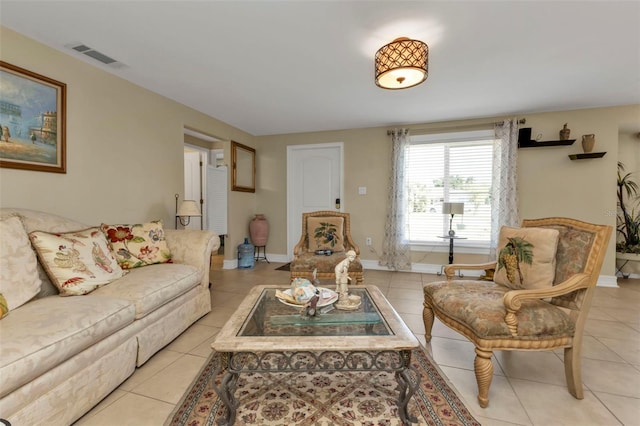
[77, 262]
[153, 286]
[19, 279]
[325, 233]
[41, 334]
[526, 257]
[138, 245]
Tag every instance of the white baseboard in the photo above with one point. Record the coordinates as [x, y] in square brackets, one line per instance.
[422, 268]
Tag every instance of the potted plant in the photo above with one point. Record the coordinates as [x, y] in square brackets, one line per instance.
[628, 219]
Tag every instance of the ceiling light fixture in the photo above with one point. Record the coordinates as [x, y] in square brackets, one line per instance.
[401, 64]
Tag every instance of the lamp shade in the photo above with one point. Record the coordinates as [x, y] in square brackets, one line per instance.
[452, 208]
[188, 208]
[401, 64]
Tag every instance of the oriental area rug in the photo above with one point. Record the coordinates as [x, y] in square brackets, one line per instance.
[323, 398]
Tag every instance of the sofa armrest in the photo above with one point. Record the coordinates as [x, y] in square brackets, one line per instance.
[193, 247]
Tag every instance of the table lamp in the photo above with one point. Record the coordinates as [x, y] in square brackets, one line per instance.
[187, 210]
[452, 209]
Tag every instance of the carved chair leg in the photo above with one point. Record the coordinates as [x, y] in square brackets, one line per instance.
[484, 374]
[427, 318]
[573, 371]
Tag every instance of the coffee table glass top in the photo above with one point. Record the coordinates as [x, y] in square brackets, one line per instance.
[263, 323]
[271, 317]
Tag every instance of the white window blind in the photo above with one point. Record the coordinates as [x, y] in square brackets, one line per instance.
[452, 167]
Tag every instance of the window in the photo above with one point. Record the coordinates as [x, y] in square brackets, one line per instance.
[451, 167]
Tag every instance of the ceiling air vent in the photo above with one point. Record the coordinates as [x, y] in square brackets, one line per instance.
[98, 56]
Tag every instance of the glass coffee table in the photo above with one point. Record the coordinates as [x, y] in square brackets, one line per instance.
[266, 334]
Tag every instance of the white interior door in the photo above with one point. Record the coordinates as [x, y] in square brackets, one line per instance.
[314, 182]
[193, 183]
[217, 199]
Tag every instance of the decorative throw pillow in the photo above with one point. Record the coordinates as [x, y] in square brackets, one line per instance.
[526, 257]
[76, 262]
[4, 308]
[138, 245]
[19, 279]
[325, 233]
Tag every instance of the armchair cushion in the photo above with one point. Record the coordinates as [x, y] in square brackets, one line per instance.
[325, 233]
[526, 257]
[479, 306]
[324, 264]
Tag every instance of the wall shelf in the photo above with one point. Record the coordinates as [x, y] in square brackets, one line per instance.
[587, 155]
[534, 144]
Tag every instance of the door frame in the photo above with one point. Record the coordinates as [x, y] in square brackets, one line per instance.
[291, 179]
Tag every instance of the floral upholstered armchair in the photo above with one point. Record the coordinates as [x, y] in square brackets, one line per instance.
[544, 280]
[325, 240]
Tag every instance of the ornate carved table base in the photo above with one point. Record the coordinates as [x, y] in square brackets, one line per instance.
[398, 362]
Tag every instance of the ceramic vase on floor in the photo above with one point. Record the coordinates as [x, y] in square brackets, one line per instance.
[259, 230]
[588, 142]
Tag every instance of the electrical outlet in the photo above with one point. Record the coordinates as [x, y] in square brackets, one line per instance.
[368, 241]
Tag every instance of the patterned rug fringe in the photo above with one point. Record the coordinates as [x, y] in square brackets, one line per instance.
[323, 398]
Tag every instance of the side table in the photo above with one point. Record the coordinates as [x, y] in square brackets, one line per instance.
[450, 238]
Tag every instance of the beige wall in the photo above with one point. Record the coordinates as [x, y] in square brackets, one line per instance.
[549, 183]
[124, 146]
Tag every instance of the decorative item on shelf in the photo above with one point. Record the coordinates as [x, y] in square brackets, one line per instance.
[259, 230]
[187, 210]
[245, 255]
[588, 142]
[564, 133]
[401, 64]
[452, 209]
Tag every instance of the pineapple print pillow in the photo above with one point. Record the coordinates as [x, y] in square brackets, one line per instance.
[77, 262]
[526, 257]
[325, 233]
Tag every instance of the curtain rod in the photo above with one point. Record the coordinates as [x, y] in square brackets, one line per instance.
[465, 126]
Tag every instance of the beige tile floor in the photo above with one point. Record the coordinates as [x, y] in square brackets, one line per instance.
[528, 387]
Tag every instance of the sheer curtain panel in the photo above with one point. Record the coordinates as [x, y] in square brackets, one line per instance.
[395, 247]
[504, 192]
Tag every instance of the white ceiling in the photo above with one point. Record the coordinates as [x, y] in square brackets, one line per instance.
[273, 67]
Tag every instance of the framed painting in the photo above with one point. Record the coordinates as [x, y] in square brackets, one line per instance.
[32, 121]
[243, 164]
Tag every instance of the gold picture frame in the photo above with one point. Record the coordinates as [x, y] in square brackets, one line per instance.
[243, 165]
[32, 121]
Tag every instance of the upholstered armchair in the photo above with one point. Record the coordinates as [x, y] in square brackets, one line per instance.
[524, 308]
[328, 232]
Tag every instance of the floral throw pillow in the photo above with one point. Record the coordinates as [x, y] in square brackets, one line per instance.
[325, 233]
[526, 257]
[138, 245]
[76, 262]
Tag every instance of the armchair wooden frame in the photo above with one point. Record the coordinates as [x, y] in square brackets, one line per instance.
[303, 246]
[574, 294]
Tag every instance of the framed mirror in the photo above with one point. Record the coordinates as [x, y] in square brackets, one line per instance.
[243, 165]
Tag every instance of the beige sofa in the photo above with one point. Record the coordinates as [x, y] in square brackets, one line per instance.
[59, 356]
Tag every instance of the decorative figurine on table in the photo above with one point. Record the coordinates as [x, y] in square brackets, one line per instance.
[345, 301]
